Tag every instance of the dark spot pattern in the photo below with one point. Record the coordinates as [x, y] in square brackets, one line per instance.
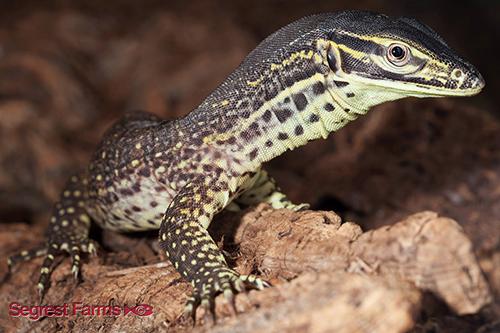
[253, 154]
[313, 118]
[329, 107]
[300, 101]
[341, 84]
[283, 114]
[267, 116]
[318, 88]
[299, 130]
[282, 136]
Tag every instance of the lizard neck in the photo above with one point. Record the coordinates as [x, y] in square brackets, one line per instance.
[307, 110]
[259, 127]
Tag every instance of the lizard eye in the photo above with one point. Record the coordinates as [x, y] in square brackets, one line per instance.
[398, 54]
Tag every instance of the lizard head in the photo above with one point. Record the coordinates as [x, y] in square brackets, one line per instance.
[381, 59]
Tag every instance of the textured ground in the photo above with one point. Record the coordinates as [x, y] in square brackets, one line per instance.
[68, 72]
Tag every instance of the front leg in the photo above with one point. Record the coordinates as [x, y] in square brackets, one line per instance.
[265, 190]
[188, 245]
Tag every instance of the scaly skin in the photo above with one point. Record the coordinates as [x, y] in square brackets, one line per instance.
[303, 82]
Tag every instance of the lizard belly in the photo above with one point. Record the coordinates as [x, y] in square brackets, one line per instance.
[141, 205]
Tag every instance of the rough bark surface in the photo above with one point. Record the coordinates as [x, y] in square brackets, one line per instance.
[328, 276]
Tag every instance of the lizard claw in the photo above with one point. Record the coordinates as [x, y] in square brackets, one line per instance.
[225, 281]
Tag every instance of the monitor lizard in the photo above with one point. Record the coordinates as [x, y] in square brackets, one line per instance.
[303, 82]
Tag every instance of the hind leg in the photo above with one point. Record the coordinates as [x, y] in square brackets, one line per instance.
[68, 232]
[266, 190]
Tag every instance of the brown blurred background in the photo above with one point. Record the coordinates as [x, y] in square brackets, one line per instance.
[70, 68]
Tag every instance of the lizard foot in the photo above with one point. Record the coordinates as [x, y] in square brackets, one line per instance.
[73, 247]
[298, 207]
[225, 281]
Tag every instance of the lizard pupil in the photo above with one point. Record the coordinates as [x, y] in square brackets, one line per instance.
[398, 52]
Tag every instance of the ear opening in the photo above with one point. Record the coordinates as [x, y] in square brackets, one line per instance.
[331, 57]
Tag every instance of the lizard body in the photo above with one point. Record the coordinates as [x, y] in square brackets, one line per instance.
[302, 83]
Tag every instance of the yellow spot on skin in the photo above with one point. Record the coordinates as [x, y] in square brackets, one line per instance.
[193, 262]
[70, 210]
[53, 219]
[66, 193]
[158, 154]
[135, 163]
[224, 102]
[98, 178]
[255, 83]
[65, 223]
[138, 146]
[84, 218]
[77, 193]
[164, 237]
[103, 155]
[61, 211]
[24, 253]
[183, 257]
[161, 169]
[74, 179]
[174, 245]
